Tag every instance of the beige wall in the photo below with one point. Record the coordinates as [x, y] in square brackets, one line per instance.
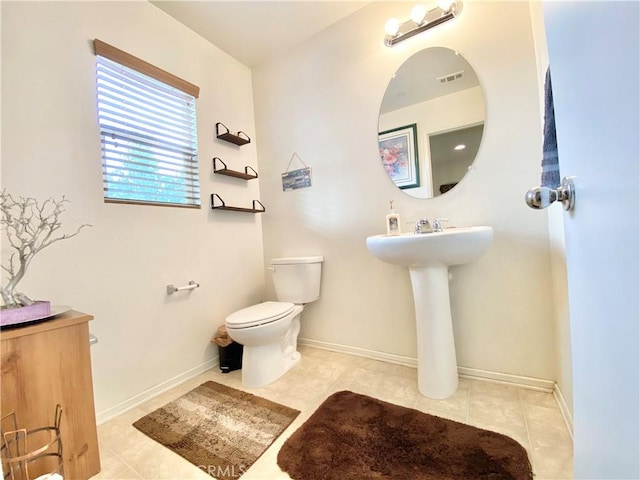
[322, 101]
[118, 270]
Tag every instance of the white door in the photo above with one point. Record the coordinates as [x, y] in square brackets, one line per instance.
[594, 58]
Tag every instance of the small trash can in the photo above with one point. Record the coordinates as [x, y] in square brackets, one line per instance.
[230, 357]
[229, 352]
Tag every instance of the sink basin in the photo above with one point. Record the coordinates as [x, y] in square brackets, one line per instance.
[428, 256]
[452, 246]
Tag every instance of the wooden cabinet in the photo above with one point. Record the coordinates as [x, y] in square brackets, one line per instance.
[49, 363]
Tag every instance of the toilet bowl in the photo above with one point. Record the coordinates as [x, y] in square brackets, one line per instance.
[269, 331]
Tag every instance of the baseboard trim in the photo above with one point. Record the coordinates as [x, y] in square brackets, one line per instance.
[507, 378]
[360, 352]
[564, 408]
[465, 372]
[139, 399]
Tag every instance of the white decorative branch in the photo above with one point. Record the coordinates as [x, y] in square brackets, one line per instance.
[29, 227]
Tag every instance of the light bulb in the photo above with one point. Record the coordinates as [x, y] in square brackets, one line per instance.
[418, 13]
[392, 27]
[445, 4]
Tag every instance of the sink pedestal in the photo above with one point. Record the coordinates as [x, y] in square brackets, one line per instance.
[437, 364]
[428, 257]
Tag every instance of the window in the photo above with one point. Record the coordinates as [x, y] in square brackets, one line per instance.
[148, 134]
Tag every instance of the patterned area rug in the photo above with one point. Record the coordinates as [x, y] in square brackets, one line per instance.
[355, 437]
[221, 430]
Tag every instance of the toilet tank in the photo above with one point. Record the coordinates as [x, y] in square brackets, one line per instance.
[297, 279]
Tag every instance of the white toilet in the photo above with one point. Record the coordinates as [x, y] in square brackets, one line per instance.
[269, 331]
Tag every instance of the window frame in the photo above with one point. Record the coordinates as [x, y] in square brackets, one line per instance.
[138, 66]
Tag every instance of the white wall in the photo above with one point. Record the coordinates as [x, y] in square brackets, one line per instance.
[118, 270]
[322, 101]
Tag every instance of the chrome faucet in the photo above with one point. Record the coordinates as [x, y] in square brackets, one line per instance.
[422, 226]
[437, 225]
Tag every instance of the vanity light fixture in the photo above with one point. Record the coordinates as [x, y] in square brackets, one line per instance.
[418, 13]
[421, 21]
[392, 27]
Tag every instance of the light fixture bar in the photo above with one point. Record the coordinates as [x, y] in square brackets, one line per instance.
[441, 17]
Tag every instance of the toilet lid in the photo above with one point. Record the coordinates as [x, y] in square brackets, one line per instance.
[259, 314]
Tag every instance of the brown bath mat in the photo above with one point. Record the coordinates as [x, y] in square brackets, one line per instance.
[355, 437]
[221, 430]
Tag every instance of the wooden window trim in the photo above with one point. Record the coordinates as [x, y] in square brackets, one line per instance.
[112, 53]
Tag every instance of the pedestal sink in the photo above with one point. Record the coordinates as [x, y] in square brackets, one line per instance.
[428, 256]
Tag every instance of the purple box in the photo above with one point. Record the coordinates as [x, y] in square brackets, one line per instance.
[16, 315]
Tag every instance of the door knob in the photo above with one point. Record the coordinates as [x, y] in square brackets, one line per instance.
[542, 197]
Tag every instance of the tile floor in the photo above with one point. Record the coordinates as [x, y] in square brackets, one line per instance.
[531, 417]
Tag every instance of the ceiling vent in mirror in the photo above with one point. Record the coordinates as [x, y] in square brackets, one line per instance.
[451, 77]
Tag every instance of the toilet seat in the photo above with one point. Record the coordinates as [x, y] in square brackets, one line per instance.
[259, 314]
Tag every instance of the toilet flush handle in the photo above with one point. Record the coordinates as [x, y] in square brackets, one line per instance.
[271, 269]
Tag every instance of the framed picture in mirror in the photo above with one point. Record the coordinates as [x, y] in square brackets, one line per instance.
[399, 155]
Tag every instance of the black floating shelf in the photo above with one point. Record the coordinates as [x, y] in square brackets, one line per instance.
[233, 173]
[239, 138]
[223, 206]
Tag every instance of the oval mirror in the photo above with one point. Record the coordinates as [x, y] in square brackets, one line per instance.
[431, 122]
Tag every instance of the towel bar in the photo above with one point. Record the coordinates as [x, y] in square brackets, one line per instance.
[173, 289]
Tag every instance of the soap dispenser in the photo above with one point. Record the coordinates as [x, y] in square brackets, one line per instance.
[393, 221]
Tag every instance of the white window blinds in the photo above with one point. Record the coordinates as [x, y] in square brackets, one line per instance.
[148, 137]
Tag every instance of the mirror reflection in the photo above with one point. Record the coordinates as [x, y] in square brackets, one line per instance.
[431, 122]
